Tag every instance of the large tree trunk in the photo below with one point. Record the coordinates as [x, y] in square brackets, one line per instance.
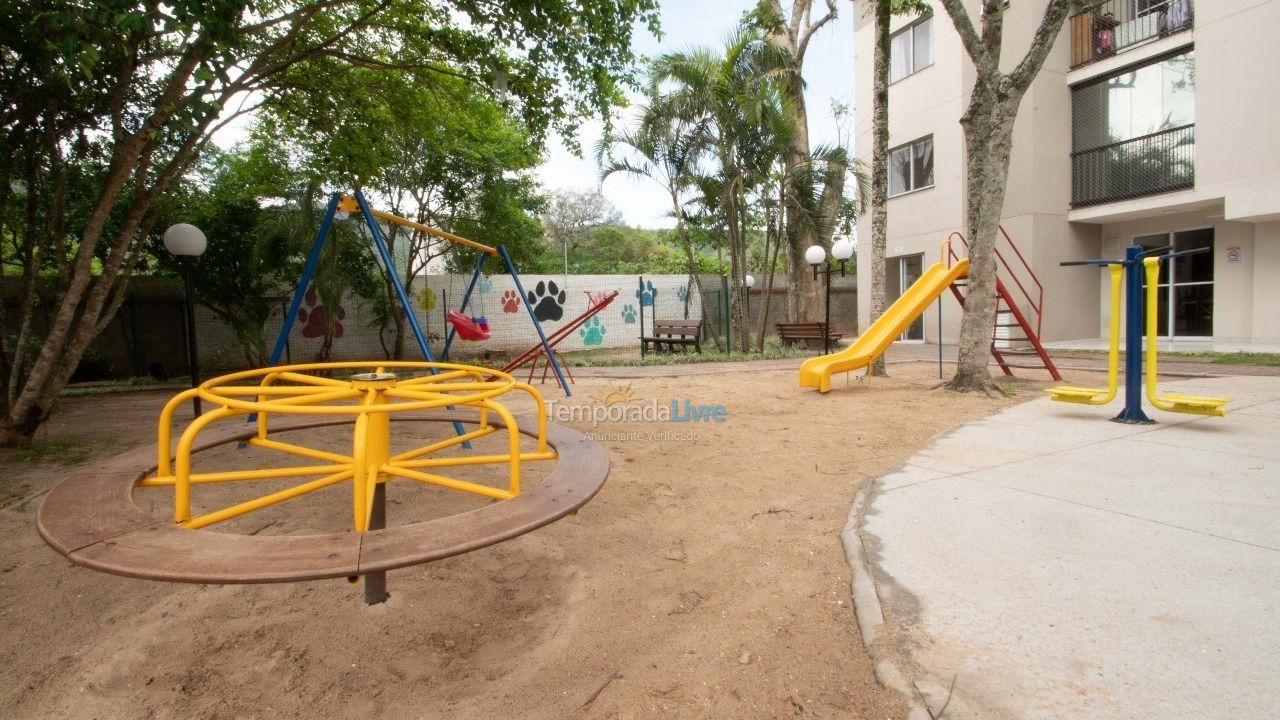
[794, 34]
[880, 168]
[988, 131]
[803, 304]
[988, 135]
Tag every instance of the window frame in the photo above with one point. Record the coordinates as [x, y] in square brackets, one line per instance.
[910, 29]
[912, 165]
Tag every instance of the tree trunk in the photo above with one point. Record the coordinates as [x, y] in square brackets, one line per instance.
[988, 131]
[988, 137]
[880, 169]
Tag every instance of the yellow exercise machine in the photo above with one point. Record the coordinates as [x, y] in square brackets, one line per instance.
[1100, 396]
[1194, 404]
[1149, 259]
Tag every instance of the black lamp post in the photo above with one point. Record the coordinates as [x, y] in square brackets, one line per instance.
[817, 257]
[188, 243]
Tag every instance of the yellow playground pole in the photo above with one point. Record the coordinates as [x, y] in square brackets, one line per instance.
[1194, 404]
[1099, 396]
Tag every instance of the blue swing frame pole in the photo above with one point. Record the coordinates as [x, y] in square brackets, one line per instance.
[524, 298]
[394, 278]
[307, 272]
[466, 297]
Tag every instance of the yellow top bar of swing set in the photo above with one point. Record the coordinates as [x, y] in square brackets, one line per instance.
[348, 204]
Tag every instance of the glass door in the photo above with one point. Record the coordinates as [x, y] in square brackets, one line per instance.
[901, 273]
[1187, 281]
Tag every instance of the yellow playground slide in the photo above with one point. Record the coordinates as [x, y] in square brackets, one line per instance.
[816, 372]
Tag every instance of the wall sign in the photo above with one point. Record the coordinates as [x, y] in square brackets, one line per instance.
[1233, 254]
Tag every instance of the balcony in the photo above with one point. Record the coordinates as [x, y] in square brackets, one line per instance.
[1157, 163]
[1102, 29]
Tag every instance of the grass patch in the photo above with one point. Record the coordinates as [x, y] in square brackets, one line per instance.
[1257, 359]
[58, 452]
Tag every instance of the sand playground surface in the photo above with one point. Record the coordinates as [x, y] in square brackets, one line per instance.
[707, 579]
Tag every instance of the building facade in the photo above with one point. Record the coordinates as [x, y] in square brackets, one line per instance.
[1154, 122]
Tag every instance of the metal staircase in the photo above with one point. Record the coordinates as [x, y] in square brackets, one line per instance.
[1027, 321]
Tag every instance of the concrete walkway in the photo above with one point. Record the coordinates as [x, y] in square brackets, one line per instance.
[1058, 565]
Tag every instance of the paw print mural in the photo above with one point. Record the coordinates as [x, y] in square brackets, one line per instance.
[682, 293]
[485, 284]
[315, 318]
[592, 331]
[547, 301]
[646, 294]
[629, 314]
[427, 299]
[510, 301]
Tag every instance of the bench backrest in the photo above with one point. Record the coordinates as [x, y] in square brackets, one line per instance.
[677, 327]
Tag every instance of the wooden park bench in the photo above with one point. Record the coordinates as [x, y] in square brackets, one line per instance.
[810, 333]
[672, 333]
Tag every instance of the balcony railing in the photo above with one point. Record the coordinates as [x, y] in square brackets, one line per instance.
[1103, 29]
[1147, 165]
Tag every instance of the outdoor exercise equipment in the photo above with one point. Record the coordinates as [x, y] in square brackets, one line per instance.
[93, 520]
[1194, 404]
[950, 272]
[1101, 396]
[1149, 259]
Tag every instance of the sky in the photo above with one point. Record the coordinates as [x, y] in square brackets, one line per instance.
[828, 73]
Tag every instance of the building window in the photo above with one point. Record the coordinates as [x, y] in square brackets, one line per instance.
[1185, 284]
[911, 166]
[1133, 133]
[911, 49]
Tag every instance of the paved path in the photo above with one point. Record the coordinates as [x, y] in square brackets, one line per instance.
[1058, 565]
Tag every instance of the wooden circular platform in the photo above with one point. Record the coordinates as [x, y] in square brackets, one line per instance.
[93, 520]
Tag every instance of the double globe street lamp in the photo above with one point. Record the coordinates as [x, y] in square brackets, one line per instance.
[816, 256]
[187, 242]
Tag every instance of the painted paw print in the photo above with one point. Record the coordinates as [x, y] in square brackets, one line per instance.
[629, 314]
[682, 293]
[485, 284]
[315, 318]
[426, 299]
[547, 301]
[646, 294]
[592, 331]
[510, 301]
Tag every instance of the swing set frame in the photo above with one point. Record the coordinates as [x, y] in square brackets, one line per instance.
[356, 203]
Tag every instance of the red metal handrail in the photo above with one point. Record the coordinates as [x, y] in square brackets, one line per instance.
[1036, 303]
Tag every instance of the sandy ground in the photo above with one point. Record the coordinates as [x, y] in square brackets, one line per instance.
[705, 580]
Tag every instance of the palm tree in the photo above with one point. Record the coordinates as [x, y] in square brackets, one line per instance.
[741, 128]
[665, 150]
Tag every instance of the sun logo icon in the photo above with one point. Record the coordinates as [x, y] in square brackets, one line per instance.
[616, 394]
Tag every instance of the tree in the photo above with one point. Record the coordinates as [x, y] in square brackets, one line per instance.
[666, 151]
[572, 216]
[884, 10]
[793, 35]
[444, 154]
[988, 135]
[743, 129]
[135, 90]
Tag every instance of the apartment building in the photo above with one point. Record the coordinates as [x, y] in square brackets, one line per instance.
[1154, 122]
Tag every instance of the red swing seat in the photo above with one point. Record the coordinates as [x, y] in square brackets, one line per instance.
[469, 328]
